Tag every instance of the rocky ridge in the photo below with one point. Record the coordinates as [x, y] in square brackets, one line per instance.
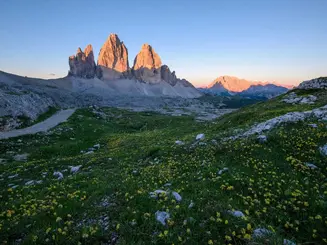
[316, 83]
[113, 64]
[82, 64]
[229, 85]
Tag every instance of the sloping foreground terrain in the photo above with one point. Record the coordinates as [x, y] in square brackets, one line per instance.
[111, 176]
[23, 100]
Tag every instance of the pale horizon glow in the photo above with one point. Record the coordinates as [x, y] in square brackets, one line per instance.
[282, 41]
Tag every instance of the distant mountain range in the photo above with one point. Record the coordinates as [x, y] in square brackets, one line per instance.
[228, 85]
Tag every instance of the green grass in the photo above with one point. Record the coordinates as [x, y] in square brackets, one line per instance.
[27, 122]
[52, 110]
[268, 182]
[232, 102]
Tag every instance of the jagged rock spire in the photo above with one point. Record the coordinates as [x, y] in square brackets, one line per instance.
[82, 64]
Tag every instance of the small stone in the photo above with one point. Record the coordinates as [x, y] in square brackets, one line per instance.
[177, 197]
[59, 175]
[220, 172]
[179, 142]
[89, 152]
[162, 217]
[323, 150]
[313, 125]
[200, 137]
[191, 205]
[12, 176]
[31, 182]
[262, 138]
[288, 242]
[74, 169]
[236, 213]
[97, 146]
[310, 165]
[156, 193]
[21, 157]
[261, 232]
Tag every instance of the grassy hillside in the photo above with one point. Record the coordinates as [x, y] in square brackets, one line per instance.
[108, 200]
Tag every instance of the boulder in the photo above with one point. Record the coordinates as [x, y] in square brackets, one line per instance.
[292, 98]
[162, 217]
[82, 64]
[200, 137]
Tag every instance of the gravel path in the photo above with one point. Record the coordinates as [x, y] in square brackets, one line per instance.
[44, 126]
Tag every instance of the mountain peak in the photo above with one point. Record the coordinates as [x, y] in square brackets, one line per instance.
[230, 83]
[147, 58]
[114, 56]
[82, 64]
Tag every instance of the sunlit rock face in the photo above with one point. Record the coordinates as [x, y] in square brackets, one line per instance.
[82, 64]
[113, 59]
[147, 65]
[229, 83]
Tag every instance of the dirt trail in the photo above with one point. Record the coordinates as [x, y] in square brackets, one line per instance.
[44, 126]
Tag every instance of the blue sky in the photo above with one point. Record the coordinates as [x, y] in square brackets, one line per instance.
[269, 40]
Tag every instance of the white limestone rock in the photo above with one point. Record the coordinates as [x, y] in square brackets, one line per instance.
[200, 137]
[162, 217]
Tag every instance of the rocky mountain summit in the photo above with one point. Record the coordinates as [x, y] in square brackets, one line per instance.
[229, 85]
[147, 65]
[82, 64]
[113, 59]
[113, 65]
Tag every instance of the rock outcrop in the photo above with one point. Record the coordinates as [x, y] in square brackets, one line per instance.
[147, 65]
[316, 83]
[148, 76]
[113, 59]
[82, 64]
[293, 98]
[170, 77]
[290, 117]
